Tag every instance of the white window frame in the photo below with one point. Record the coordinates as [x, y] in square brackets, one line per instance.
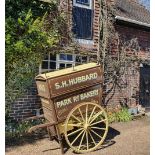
[90, 6]
[48, 60]
[58, 62]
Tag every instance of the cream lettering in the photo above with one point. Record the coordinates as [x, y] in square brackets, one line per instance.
[77, 80]
[77, 98]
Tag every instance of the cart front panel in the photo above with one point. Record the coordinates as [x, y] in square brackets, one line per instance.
[64, 104]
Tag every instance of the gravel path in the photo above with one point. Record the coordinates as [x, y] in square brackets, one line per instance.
[131, 138]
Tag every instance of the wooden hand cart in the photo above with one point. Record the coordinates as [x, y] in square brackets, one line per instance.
[71, 101]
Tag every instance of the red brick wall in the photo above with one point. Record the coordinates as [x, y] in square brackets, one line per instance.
[128, 32]
[26, 105]
[117, 95]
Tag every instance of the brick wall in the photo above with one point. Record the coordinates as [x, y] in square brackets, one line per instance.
[130, 94]
[129, 32]
[129, 91]
[26, 105]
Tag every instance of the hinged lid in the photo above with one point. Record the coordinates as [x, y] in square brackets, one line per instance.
[68, 80]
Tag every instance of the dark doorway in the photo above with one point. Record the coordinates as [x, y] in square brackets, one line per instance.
[145, 86]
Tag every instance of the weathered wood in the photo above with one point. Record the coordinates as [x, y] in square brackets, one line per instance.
[45, 125]
[34, 117]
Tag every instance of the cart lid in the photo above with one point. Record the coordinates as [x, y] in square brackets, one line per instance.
[61, 72]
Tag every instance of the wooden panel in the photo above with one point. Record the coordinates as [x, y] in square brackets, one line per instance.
[49, 110]
[51, 85]
[48, 114]
[78, 80]
[42, 87]
[47, 103]
[65, 103]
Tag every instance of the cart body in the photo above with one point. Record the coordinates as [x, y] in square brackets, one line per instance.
[71, 101]
[62, 90]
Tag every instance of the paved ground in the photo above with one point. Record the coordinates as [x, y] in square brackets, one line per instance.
[131, 138]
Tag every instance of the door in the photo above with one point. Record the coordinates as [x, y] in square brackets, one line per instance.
[145, 86]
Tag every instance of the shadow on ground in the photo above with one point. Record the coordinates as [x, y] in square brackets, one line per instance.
[32, 138]
[25, 139]
[109, 141]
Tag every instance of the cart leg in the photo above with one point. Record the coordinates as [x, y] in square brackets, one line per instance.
[60, 139]
[51, 137]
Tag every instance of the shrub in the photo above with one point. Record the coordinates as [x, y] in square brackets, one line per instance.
[119, 116]
[15, 130]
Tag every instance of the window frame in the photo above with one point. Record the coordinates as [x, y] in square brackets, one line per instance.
[82, 5]
[58, 62]
[87, 4]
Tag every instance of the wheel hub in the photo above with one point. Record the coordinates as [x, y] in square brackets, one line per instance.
[86, 125]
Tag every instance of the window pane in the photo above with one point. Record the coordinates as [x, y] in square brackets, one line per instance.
[52, 65]
[52, 57]
[68, 65]
[86, 2]
[82, 22]
[63, 57]
[44, 64]
[46, 57]
[84, 59]
[78, 59]
[61, 66]
[69, 57]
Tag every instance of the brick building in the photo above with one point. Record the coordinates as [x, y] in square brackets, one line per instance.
[131, 21]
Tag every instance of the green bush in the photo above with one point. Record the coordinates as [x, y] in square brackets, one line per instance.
[119, 116]
[32, 29]
[15, 130]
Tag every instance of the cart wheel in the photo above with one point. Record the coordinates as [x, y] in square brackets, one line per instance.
[90, 124]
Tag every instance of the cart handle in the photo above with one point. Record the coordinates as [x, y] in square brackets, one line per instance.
[45, 125]
[34, 117]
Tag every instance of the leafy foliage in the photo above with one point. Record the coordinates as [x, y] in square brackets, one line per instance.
[29, 35]
[119, 116]
[15, 130]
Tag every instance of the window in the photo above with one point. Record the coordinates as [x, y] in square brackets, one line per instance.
[66, 57]
[65, 61]
[84, 2]
[88, 4]
[61, 61]
[81, 59]
[49, 63]
[82, 19]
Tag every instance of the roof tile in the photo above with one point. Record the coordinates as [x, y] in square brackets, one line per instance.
[132, 9]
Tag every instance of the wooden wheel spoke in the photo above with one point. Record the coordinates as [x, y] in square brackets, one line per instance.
[95, 116]
[91, 114]
[98, 128]
[81, 140]
[87, 140]
[77, 137]
[97, 122]
[86, 112]
[96, 134]
[81, 114]
[76, 125]
[92, 137]
[72, 133]
[76, 118]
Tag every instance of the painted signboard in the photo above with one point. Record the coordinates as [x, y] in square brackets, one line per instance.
[53, 87]
[65, 103]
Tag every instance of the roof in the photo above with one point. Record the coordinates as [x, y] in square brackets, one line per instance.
[133, 10]
[66, 71]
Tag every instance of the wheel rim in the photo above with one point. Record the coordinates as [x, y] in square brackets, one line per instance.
[91, 127]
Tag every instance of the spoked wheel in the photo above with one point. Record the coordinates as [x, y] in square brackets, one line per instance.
[90, 127]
